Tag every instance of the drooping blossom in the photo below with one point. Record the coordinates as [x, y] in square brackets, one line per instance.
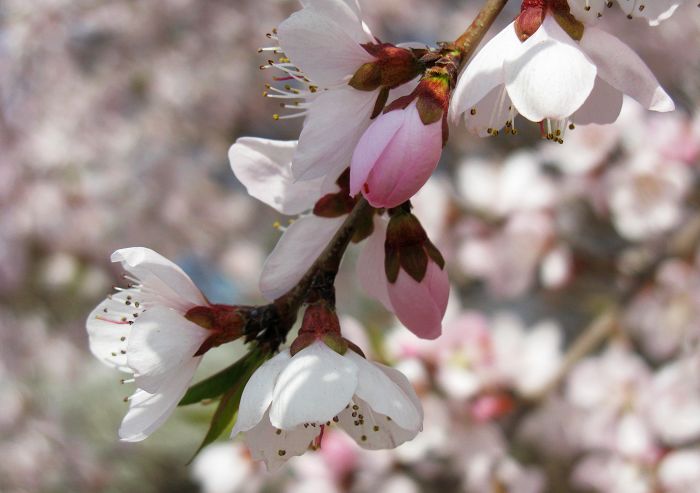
[338, 71]
[552, 76]
[143, 330]
[291, 399]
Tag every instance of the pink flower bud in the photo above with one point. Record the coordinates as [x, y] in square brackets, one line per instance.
[420, 306]
[395, 157]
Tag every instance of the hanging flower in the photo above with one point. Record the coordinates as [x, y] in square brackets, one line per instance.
[149, 331]
[549, 68]
[320, 382]
[338, 76]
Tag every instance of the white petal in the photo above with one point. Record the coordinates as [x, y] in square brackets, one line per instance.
[321, 48]
[275, 446]
[313, 388]
[492, 112]
[335, 122]
[372, 430]
[346, 13]
[383, 395]
[549, 76]
[400, 379]
[296, 251]
[257, 394]
[148, 411]
[483, 73]
[603, 106]
[161, 276]
[370, 264]
[265, 168]
[622, 68]
[161, 341]
[109, 327]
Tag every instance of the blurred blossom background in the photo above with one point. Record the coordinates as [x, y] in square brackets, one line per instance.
[115, 120]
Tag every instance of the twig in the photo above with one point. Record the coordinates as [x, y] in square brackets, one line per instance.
[325, 265]
[471, 38]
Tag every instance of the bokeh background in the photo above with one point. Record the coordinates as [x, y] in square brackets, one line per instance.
[115, 120]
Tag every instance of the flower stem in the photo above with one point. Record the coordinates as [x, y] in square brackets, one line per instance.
[471, 38]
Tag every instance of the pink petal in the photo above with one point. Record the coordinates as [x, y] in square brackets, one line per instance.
[406, 161]
[421, 306]
[371, 146]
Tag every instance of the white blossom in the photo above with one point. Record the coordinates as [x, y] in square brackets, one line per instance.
[289, 401]
[142, 330]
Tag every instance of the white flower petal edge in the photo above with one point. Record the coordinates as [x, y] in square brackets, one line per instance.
[320, 46]
[257, 394]
[166, 281]
[265, 168]
[346, 13]
[334, 124]
[298, 248]
[483, 73]
[621, 67]
[276, 446]
[148, 411]
[383, 395]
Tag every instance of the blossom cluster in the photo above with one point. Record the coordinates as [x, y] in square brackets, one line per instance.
[473, 284]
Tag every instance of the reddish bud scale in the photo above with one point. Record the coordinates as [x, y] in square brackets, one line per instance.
[532, 13]
[338, 203]
[393, 66]
[407, 247]
[321, 323]
[226, 323]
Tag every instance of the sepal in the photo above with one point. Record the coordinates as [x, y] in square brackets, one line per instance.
[393, 67]
[408, 247]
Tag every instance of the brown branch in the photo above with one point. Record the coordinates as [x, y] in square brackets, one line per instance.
[471, 38]
[326, 265]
